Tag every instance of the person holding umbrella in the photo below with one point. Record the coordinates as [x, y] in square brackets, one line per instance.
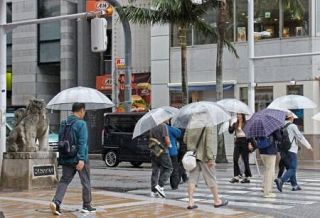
[200, 140]
[242, 147]
[291, 157]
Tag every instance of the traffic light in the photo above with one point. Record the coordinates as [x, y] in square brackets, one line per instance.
[99, 39]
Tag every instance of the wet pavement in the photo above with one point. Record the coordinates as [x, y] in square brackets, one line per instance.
[35, 203]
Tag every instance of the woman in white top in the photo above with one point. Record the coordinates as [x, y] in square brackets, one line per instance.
[291, 158]
[242, 147]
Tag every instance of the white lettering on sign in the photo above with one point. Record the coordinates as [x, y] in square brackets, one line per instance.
[102, 5]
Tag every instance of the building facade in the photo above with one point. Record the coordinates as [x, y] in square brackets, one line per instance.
[281, 27]
[46, 58]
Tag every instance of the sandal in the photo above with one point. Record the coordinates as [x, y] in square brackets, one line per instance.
[192, 207]
[223, 203]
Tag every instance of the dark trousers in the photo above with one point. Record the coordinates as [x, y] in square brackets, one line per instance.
[175, 175]
[241, 149]
[182, 172]
[290, 174]
[283, 163]
[68, 173]
[161, 170]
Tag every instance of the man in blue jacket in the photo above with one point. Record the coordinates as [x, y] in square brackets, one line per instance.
[78, 162]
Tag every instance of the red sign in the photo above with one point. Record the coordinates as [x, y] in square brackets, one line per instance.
[104, 82]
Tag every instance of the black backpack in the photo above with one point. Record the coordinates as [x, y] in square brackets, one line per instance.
[67, 147]
[284, 143]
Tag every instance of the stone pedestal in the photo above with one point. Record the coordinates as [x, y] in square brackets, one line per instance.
[29, 170]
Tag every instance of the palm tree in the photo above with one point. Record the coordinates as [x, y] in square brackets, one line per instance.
[221, 24]
[181, 13]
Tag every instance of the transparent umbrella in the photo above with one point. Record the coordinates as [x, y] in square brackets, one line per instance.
[200, 114]
[292, 102]
[93, 99]
[316, 116]
[234, 105]
[153, 118]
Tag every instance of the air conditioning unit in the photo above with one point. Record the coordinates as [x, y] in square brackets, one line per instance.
[99, 39]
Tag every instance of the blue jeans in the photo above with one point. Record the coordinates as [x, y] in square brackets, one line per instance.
[291, 161]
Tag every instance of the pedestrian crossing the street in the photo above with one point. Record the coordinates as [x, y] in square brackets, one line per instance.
[250, 195]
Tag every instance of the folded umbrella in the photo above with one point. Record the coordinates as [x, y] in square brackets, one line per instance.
[264, 122]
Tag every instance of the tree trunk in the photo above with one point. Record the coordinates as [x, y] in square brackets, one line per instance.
[221, 150]
[184, 74]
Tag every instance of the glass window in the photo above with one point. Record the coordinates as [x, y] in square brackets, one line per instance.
[263, 97]
[295, 18]
[241, 20]
[49, 52]
[175, 99]
[9, 35]
[211, 19]
[266, 19]
[297, 90]
[244, 94]
[49, 33]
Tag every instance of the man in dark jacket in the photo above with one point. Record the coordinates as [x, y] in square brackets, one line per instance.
[78, 162]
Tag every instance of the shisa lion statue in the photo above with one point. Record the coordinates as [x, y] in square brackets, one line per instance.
[30, 133]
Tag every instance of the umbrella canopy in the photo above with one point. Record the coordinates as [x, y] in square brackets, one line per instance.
[200, 114]
[264, 122]
[153, 118]
[292, 102]
[234, 105]
[93, 99]
[316, 116]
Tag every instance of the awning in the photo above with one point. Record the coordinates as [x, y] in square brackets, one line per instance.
[203, 86]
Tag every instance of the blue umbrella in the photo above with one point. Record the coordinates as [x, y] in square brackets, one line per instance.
[264, 122]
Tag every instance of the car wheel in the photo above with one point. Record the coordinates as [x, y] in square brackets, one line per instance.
[136, 163]
[111, 159]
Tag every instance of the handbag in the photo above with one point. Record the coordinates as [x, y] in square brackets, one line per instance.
[156, 147]
[189, 160]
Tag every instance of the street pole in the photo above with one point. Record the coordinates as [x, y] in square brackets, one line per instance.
[3, 79]
[128, 58]
[251, 86]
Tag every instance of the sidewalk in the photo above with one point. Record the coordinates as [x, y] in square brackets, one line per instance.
[109, 204]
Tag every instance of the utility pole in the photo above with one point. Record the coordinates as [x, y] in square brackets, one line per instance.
[3, 79]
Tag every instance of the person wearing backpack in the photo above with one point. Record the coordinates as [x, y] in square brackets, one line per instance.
[291, 157]
[78, 161]
[242, 147]
[268, 151]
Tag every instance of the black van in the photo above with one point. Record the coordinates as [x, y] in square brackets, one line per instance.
[117, 142]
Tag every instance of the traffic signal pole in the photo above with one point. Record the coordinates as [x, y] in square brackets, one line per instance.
[3, 79]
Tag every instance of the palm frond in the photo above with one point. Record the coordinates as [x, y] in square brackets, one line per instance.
[204, 28]
[231, 48]
[141, 15]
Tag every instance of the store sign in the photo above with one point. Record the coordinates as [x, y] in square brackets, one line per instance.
[93, 5]
[104, 83]
[120, 63]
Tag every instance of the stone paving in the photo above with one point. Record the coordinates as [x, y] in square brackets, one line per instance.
[28, 204]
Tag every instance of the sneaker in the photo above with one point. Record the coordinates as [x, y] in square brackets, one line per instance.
[154, 194]
[279, 184]
[55, 208]
[234, 180]
[270, 195]
[88, 209]
[245, 180]
[296, 188]
[160, 191]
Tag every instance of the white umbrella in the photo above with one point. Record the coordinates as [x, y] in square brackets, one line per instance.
[292, 102]
[234, 105]
[200, 114]
[153, 118]
[316, 116]
[91, 97]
